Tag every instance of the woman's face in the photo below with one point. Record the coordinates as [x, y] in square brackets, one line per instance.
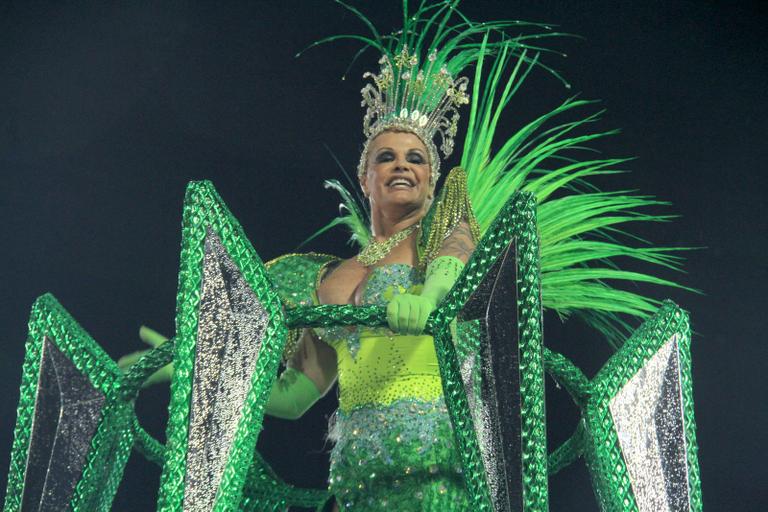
[398, 171]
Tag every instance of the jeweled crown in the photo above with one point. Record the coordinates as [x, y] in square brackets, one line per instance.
[423, 100]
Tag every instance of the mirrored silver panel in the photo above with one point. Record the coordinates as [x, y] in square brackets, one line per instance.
[67, 412]
[648, 416]
[491, 379]
[231, 327]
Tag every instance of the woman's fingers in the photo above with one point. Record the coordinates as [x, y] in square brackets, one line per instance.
[151, 337]
[393, 315]
[164, 374]
[129, 360]
[403, 313]
[408, 314]
[414, 319]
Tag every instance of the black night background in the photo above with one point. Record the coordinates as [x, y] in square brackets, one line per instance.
[107, 110]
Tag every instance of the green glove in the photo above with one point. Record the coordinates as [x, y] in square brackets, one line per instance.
[292, 395]
[153, 339]
[408, 313]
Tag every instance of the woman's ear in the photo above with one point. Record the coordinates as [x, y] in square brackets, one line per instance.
[364, 186]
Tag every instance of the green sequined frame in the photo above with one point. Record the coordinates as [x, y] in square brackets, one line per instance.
[70, 400]
[655, 362]
[515, 226]
[206, 222]
[637, 432]
[638, 408]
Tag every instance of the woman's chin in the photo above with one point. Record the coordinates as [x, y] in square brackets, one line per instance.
[403, 199]
[401, 194]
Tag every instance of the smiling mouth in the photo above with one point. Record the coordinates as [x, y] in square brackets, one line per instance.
[401, 183]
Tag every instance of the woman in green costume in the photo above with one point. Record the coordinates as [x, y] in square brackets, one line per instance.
[394, 447]
[393, 442]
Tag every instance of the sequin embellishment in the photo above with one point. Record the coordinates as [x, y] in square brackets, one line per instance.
[396, 452]
[384, 282]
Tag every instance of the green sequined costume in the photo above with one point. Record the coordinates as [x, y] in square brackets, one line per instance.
[393, 444]
[393, 447]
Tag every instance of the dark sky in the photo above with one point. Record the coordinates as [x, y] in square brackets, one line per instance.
[107, 110]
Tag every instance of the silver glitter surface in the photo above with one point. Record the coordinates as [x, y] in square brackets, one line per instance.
[475, 373]
[468, 374]
[231, 328]
[477, 377]
[487, 432]
[492, 384]
[648, 415]
[67, 412]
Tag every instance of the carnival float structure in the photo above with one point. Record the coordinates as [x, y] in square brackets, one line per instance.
[236, 316]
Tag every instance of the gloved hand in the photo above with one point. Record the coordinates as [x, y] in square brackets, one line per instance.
[408, 313]
[153, 339]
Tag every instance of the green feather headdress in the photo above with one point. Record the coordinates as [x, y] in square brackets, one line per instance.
[582, 229]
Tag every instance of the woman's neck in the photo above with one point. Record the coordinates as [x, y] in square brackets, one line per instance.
[384, 226]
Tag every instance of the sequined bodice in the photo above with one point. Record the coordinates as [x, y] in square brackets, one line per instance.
[384, 282]
[392, 433]
[375, 365]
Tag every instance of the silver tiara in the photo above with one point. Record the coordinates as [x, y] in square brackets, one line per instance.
[423, 101]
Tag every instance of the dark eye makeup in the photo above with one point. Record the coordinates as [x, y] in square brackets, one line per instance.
[385, 156]
[414, 157]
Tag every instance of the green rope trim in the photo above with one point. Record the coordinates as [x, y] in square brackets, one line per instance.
[565, 373]
[130, 384]
[331, 314]
[568, 452]
[152, 449]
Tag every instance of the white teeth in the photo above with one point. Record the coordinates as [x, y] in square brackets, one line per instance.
[398, 182]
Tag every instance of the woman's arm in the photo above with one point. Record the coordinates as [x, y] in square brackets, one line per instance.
[315, 359]
[459, 244]
[309, 375]
[408, 314]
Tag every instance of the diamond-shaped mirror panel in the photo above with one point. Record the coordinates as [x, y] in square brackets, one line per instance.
[640, 431]
[66, 414]
[648, 416]
[231, 328]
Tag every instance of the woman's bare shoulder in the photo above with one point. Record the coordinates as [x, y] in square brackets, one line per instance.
[338, 284]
